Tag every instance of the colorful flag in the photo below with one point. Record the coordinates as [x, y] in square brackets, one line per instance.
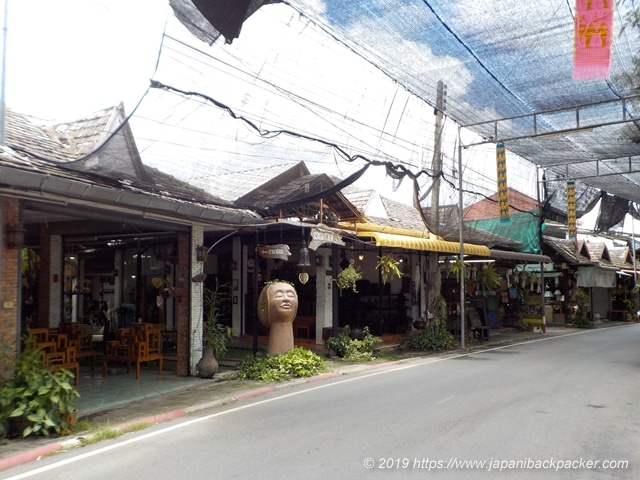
[503, 190]
[571, 210]
[592, 39]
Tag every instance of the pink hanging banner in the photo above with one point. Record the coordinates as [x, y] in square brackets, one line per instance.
[592, 39]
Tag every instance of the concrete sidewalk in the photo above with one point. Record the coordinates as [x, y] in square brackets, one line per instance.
[207, 394]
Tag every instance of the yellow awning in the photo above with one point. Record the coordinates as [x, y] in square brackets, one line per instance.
[427, 244]
[374, 227]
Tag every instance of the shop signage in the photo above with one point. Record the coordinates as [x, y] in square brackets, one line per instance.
[320, 236]
[280, 251]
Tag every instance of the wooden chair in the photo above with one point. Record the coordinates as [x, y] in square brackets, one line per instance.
[304, 326]
[63, 359]
[80, 337]
[56, 353]
[139, 344]
[476, 325]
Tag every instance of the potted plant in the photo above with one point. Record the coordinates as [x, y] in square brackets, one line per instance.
[630, 314]
[579, 303]
[456, 268]
[348, 277]
[388, 267]
[215, 333]
[488, 277]
[34, 400]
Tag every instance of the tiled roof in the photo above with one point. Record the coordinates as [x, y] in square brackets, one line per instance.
[488, 208]
[598, 251]
[302, 197]
[401, 215]
[82, 136]
[359, 198]
[567, 250]
[53, 150]
[24, 133]
[235, 185]
[621, 257]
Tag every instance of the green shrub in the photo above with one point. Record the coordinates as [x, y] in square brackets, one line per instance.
[581, 321]
[348, 348]
[297, 363]
[7, 362]
[38, 398]
[434, 338]
[578, 316]
[215, 333]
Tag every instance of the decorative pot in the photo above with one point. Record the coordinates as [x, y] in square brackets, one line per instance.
[207, 365]
[419, 324]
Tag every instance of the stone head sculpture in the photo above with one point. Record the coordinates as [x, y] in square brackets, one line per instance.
[277, 308]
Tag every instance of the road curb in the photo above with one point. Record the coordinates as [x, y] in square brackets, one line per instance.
[30, 455]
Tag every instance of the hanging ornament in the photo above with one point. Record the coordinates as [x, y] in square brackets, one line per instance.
[303, 277]
[70, 269]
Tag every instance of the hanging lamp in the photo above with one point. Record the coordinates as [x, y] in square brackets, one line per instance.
[303, 259]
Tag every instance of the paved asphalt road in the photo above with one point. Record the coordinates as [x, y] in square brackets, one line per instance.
[559, 407]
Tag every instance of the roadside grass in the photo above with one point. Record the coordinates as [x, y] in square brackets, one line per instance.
[98, 434]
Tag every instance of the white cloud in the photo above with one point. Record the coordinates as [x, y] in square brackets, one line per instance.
[68, 58]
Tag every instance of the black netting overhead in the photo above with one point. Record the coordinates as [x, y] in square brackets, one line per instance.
[208, 19]
[612, 212]
[586, 198]
[339, 84]
[507, 60]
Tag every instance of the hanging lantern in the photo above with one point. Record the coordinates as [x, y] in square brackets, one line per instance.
[303, 259]
[70, 269]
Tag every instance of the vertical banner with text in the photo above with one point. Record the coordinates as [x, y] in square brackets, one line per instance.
[592, 39]
[571, 210]
[503, 190]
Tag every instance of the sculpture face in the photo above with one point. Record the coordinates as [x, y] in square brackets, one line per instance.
[277, 308]
[278, 302]
[283, 302]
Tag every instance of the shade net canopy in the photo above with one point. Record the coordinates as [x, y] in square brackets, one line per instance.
[349, 83]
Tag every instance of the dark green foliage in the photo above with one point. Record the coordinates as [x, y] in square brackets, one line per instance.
[579, 316]
[432, 338]
[7, 361]
[435, 336]
[349, 277]
[298, 363]
[216, 334]
[580, 321]
[40, 399]
[347, 347]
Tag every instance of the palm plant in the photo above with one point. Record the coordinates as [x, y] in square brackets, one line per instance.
[216, 334]
[388, 267]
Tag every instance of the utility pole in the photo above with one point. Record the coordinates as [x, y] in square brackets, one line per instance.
[3, 74]
[435, 283]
